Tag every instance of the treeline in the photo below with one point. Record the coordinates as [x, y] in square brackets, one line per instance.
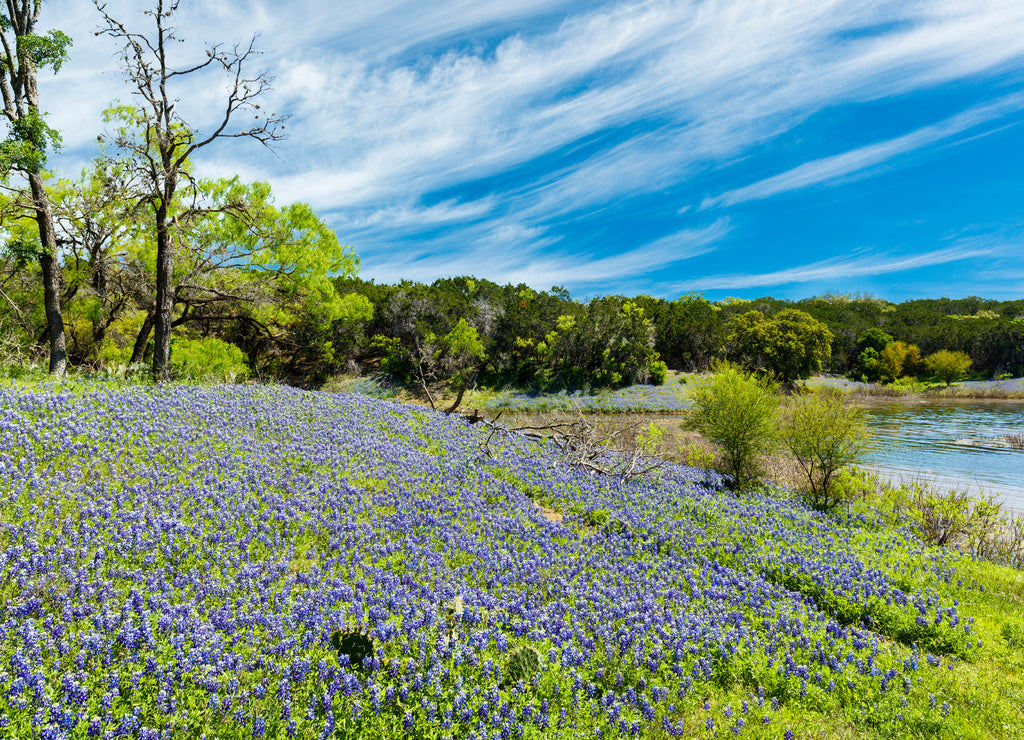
[513, 334]
[461, 329]
[251, 299]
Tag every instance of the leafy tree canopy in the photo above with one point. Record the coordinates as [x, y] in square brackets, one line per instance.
[790, 344]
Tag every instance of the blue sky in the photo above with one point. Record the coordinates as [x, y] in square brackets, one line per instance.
[772, 147]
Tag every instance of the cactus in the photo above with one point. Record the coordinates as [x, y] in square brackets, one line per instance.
[615, 526]
[454, 609]
[523, 664]
[353, 643]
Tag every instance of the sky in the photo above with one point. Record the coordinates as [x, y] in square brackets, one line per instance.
[789, 148]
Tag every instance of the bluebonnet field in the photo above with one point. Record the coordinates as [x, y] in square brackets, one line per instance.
[174, 561]
[669, 397]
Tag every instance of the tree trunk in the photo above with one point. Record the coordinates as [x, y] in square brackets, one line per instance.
[51, 275]
[164, 296]
[99, 285]
[139, 350]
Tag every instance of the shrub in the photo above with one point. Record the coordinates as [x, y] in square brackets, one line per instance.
[825, 434]
[208, 359]
[736, 412]
[948, 365]
[697, 457]
[899, 359]
[658, 372]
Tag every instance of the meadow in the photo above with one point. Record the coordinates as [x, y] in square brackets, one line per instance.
[265, 562]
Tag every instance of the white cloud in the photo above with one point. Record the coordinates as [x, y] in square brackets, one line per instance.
[506, 251]
[864, 159]
[842, 268]
[399, 103]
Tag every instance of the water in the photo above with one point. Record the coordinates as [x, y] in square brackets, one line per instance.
[917, 441]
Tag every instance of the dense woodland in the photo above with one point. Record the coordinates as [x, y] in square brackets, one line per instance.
[251, 298]
[537, 338]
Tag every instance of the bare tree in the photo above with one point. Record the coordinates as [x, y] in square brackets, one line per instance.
[160, 143]
[23, 54]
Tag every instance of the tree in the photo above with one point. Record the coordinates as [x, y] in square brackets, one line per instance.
[790, 344]
[435, 361]
[245, 262]
[825, 434]
[736, 412]
[160, 143]
[102, 237]
[898, 359]
[689, 331]
[24, 150]
[874, 338]
[948, 365]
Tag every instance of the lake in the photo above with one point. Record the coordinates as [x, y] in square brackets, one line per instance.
[917, 441]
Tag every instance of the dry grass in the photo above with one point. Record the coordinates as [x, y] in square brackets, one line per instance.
[978, 393]
[1015, 440]
[550, 514]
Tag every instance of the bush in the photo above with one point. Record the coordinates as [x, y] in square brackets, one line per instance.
[944, 516]
[737, 413]
[899, 359]
[658, 372]
[948, 365]
[208, 359]
[825, 434]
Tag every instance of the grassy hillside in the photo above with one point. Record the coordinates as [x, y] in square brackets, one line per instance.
[174, 561]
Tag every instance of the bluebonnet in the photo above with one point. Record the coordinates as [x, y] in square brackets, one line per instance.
[177, 539]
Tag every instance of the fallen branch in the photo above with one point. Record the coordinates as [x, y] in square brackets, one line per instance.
[617, 453]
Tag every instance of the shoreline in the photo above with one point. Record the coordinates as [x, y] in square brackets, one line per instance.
[1011, 498]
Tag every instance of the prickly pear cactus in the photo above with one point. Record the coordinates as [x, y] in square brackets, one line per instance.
[523, 664]
[357, 646]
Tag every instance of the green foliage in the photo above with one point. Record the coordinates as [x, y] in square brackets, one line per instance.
[460, 349]
[393, 359]
[25, 147]
[697, 457]
[523, 664]
[208, 358]
[898, 359]
[948, 365]
[690, 331]
[50, 50]
[825, 434]
[874, 338]
[609, 344]
[789, 344]
[868, 366]
[659, 372]
[285, 257]
[736, 412]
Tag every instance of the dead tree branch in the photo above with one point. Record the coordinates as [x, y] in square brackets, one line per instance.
[618, 453]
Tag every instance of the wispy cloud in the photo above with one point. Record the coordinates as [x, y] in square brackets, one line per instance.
[508, 252]
[511, 120]
[860, 161]
[839, 269]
